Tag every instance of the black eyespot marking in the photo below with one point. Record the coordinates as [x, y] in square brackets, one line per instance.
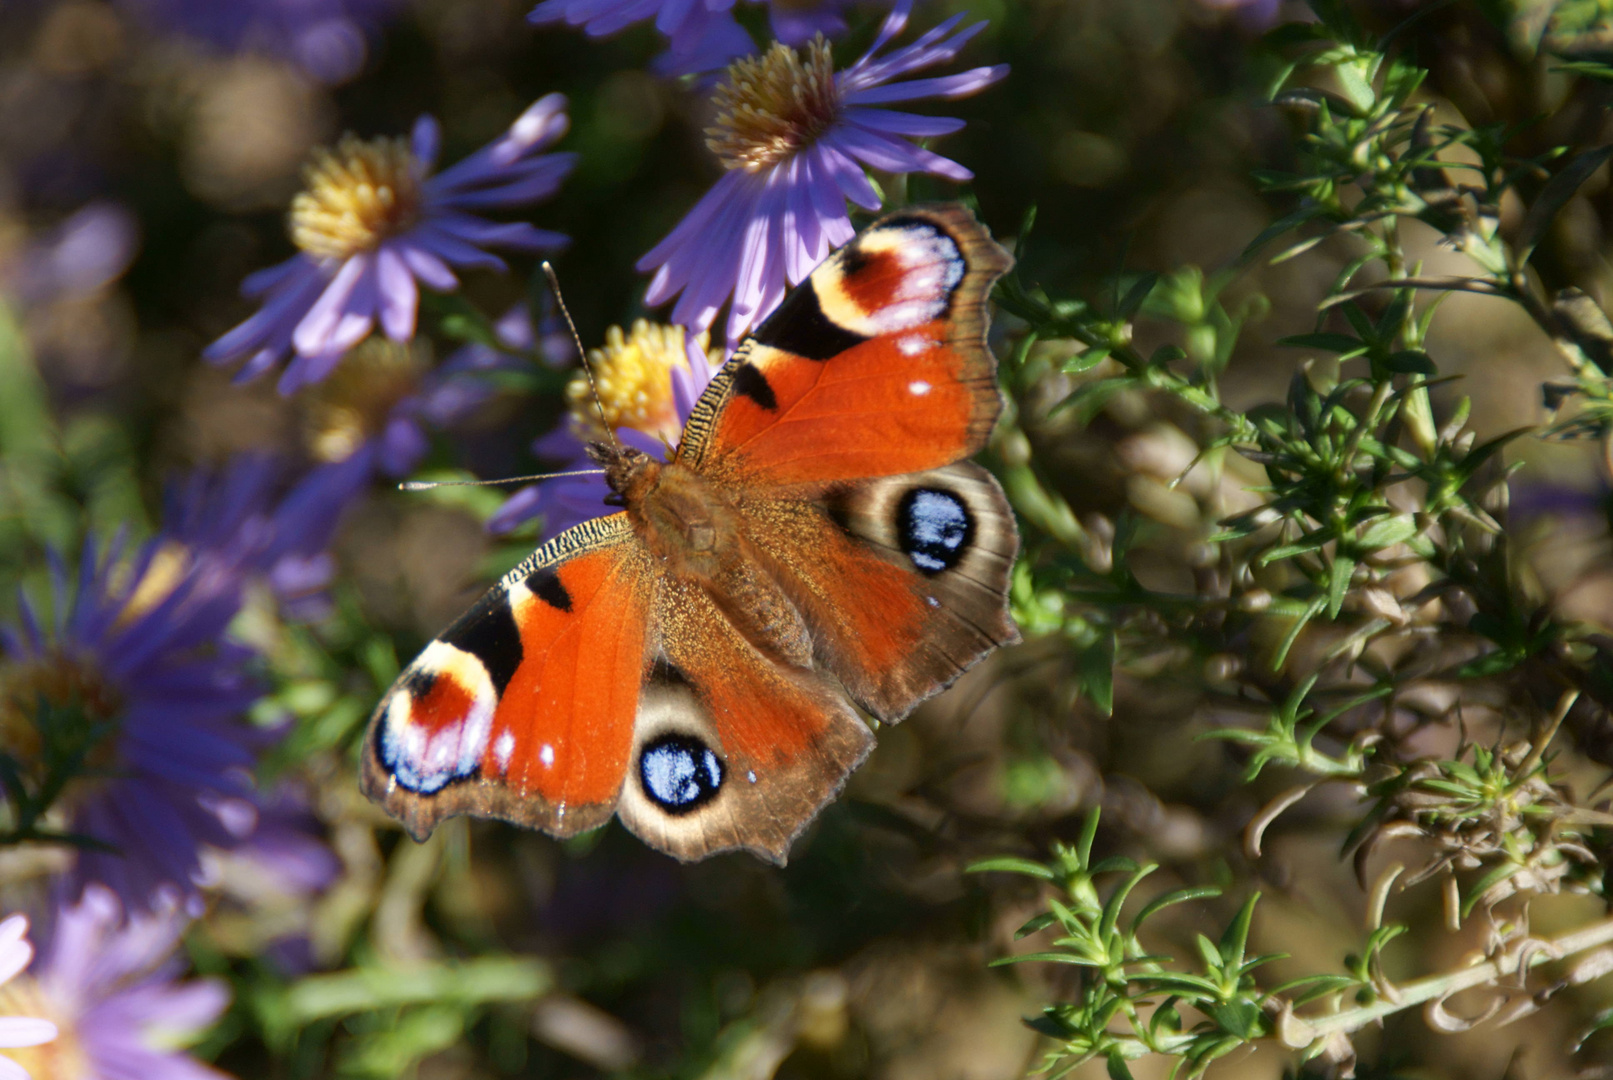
[680, 773]
[799, 326]
[754, 385]
[934, 527]
[419, 683]
[488, 632]
[853, 258]
[545, 584]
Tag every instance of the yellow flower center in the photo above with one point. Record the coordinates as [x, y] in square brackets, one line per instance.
[353, 404]
[633, 372]
[356, 196]
[60, 1059]
[772, 106]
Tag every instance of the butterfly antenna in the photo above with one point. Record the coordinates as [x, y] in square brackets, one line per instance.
[582, 353]
[427, 485]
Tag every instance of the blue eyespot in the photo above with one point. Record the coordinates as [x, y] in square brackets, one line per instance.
[934, 528]
[680, 773]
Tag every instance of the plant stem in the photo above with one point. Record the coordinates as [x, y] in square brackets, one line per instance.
[1437, 986]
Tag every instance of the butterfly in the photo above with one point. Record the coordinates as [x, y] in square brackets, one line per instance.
[816, 543]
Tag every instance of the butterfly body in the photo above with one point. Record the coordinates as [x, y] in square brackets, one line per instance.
[692, 662]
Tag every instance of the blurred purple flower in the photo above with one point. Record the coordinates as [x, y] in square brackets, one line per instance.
[648, 381]
[18, 1032]
[702, 35]
[111, 986]
[1254, 14]
[82, 255]
[328, 39]
[244, 518]
[372, 222]
[140, 645]
[795, 137]
[378, 404]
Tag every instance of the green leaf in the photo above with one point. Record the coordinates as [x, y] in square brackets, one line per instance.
[1008, 864]
[1137, 294]
[1338, 583]
[1388, 530]
[1356, 88]
[1085, 361]
[1089, 833]
[1044, 958]
[1111, 908]
[1098, 671]
[1175, 896]
[1554, 196]
[1050, 1026]
[1117, 1066]
[1338, 343]
[1236, 936]
[1240, 1018]
[1300, 622]
[1034, 924]
[1411, 362]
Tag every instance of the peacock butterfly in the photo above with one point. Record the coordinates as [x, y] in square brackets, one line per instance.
[816, 540]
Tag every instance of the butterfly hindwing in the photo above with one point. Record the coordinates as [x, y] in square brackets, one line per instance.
[875, 365]
[733, 747]
[523, 709]
[903, 580]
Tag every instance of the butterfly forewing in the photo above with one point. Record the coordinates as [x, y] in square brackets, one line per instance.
[875, 365]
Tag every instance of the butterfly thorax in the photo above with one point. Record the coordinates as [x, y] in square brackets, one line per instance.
[679, 515]
[692, 528]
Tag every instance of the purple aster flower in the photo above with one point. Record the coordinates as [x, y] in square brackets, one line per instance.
[1253, 14]
[18, 1032]
[373, 222]
[381, 399]
[271, 883]
[648, 380]
[702, 35]
[138, 646]
[329, 39]
[138, 654]
[110, 985]
[245, 519]
[83, 255]
[61, 282]
[795, 137]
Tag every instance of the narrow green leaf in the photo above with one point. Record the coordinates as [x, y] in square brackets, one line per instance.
[1043, 958]
[1338, 583]
[1338, 343]
[1554, 196]
[1137, 294]
[1008, 864]
[1236, 936]
[1411, 362]
[1117, 1066]
[1175, 896]
[1098, 671]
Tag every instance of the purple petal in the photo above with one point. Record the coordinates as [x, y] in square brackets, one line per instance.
[398, 295]
[425, 142]
[910, 125]
[319, 326]
[945, 86]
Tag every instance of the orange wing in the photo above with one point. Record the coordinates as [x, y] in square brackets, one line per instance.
[524, 708]
[875, 365]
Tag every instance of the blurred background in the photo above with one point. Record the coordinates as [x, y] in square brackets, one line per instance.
[149, 150]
